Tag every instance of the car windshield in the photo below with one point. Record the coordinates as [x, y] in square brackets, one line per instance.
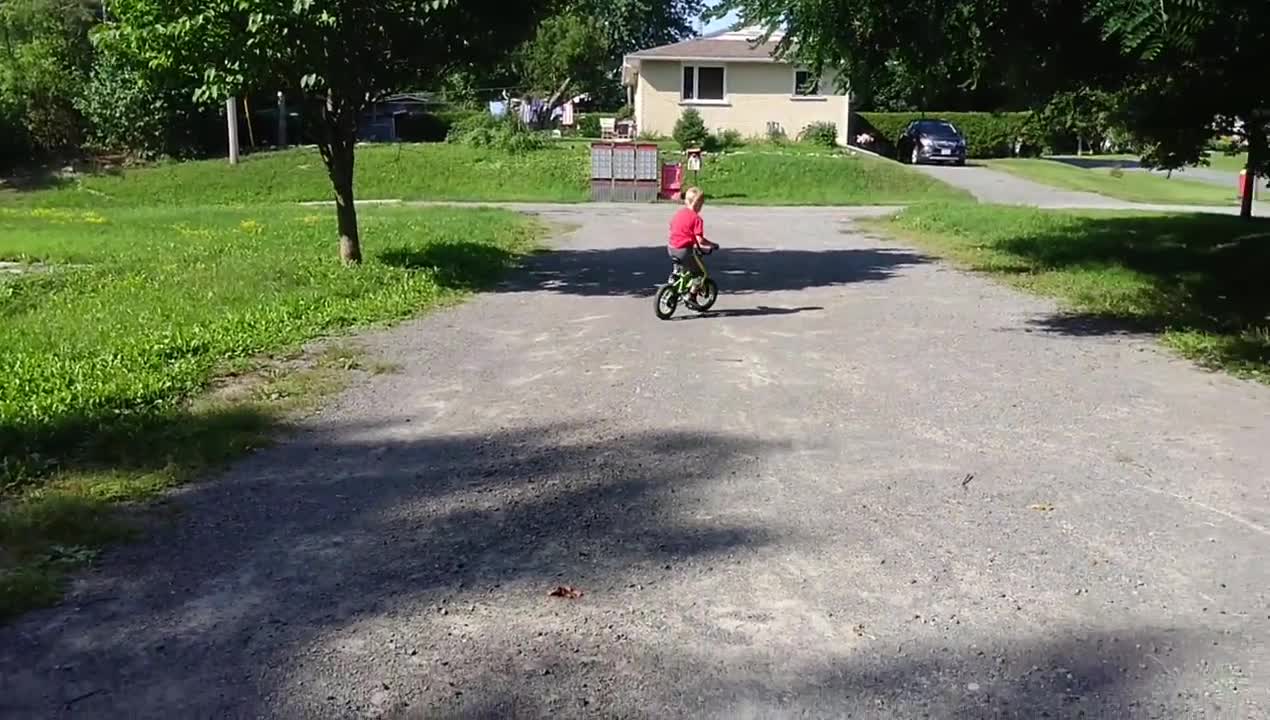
[937, 128]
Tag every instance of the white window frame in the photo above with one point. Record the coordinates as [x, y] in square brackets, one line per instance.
[696, 83]
[794, 92]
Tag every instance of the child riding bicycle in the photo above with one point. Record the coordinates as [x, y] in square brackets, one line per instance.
[687, 235]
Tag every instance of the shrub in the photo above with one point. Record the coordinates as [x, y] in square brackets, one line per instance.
[988, 135]
[820, 133]
[728, 140]
[690, 130]
[486, 131]
[123, 112]
[776, 135]
[626, 112]
[432, 126]
[589, 126]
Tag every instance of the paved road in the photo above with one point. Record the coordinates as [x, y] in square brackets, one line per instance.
[870, 486]
[994, 186]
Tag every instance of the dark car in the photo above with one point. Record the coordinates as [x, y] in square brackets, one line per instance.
[931, 141]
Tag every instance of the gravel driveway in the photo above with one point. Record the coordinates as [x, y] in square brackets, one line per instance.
[870, 486]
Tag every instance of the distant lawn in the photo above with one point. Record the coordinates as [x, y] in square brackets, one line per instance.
[1230, 163]
[1132, 186]
[792, 175]
[109, 344]
[801, 178]
[1200, 280]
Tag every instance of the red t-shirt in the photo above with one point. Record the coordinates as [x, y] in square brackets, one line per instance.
[685, 227]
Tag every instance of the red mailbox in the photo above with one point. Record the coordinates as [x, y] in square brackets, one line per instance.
[672, 180]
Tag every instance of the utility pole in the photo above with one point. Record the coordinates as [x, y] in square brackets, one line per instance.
[231, 120]
[282, 120]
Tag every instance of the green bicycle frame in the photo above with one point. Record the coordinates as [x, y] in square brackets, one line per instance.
[683, 283]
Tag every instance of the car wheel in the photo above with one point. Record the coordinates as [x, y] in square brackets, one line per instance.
[916, 158]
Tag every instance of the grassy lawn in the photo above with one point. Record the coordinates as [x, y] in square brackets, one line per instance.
[1229, 163]
[1199, 280]
[110, 344]
[1129, 185]
[799, 178]
[436, 171]
[790, 175]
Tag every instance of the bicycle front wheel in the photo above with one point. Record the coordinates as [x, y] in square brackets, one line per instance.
[667, 301]
[706, 296]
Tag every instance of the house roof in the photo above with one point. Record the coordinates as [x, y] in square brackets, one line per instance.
[740, 45]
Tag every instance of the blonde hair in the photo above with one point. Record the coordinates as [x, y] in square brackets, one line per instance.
[693, 195]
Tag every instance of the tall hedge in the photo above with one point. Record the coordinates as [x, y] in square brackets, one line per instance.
[988, 135]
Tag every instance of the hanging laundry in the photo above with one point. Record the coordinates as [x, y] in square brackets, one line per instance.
[497, 108]
[527, 111]
[566, 114]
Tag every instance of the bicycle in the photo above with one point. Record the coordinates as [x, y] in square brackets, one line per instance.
[698, 292]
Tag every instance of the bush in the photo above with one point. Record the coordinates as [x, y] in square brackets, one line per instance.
[776, 135]
[728, 140]
[626, 112]
[820, 133]
[432, 126]
[124, 113]
[988, 135]
[589, 126]
[690, 130]
[486, 131]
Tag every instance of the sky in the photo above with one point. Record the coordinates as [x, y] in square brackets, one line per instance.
[720, 24]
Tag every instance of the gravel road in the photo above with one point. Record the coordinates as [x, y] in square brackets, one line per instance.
[869, 486]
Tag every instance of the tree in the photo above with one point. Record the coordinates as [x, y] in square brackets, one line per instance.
[338, 55]
[568, 54]
[45, 56]
[1200, 70]
[1175, 66]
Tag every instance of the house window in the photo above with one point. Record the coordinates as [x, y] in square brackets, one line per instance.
[703, 83]
[806, 84]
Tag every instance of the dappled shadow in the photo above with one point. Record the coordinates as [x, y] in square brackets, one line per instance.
[1114, 673]
[760, 311]
[350, 524]
[1205, 273]
[637, 271]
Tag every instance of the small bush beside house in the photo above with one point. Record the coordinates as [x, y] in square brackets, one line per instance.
[820, 133]
[690, 130]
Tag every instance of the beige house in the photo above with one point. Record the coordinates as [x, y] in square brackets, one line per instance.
[736, 84]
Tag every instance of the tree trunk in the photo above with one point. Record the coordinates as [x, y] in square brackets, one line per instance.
[341, 172]
[339, 137]
[1256, 150]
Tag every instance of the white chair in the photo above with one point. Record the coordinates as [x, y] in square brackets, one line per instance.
[608, 128]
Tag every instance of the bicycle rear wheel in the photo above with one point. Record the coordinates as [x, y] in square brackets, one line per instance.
[706, 296]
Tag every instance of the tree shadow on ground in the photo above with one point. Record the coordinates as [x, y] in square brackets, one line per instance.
[348, 525]
[1094, 674]
[637, 271]
[1204, 273]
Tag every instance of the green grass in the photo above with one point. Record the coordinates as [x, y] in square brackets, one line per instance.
[1199, 280]
[798, 178]
[1229, 163]
[108, 351]
[792, 174]
[1131, 186]
[435, 171]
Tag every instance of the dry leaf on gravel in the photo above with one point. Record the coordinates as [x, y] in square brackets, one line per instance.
[566, 592]
[1041, 507]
